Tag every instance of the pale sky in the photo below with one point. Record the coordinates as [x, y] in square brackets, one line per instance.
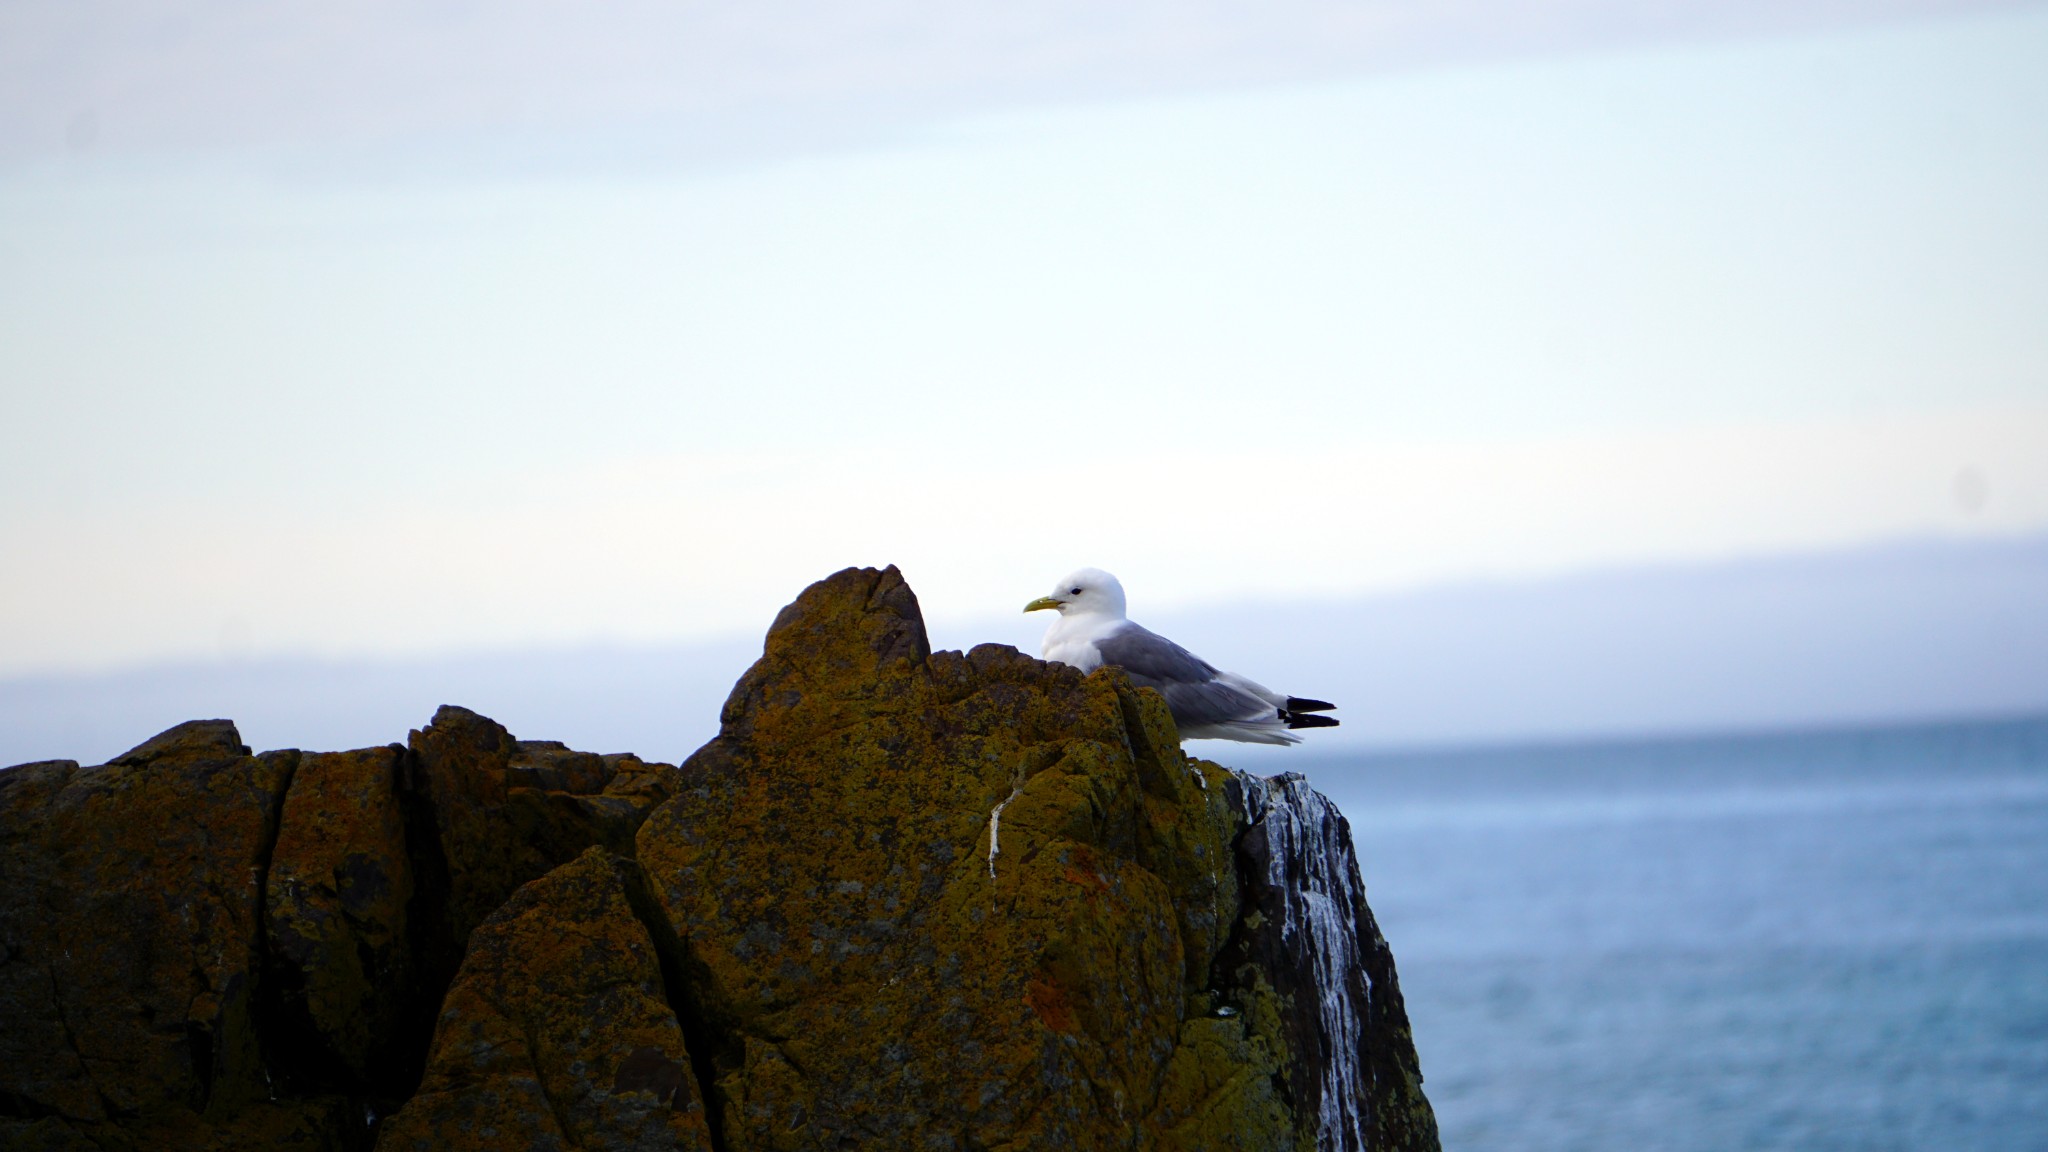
[1693, 298]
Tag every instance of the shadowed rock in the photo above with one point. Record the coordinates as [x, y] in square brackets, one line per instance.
[340, 889]
[498, 812]
[130, 916]
[201, 948]
[557, 1032]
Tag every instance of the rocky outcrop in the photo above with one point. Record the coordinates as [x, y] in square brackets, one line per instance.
[131, 900]
[204, 948]
[905, 899]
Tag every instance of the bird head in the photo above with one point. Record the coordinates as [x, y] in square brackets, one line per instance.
[1090, 591]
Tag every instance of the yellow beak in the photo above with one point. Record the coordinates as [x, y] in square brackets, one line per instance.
[1041, 604]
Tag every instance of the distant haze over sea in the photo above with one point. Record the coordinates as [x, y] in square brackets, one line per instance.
[1912, 630]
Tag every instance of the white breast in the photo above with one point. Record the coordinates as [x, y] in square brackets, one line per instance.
[1071, 639]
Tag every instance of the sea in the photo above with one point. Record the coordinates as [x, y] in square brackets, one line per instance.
[1812, 941]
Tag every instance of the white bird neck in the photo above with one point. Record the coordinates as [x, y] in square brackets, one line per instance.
[1081, 625]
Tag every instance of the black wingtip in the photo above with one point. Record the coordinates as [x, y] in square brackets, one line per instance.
[1303, 704]
[1308, 720]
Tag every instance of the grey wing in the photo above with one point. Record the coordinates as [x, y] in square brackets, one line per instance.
[1193, 688]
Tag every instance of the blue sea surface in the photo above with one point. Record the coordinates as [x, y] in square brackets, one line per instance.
[1832, 940]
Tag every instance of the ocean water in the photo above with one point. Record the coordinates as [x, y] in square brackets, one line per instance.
[1833, 940]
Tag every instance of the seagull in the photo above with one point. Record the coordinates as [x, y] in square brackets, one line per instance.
[1207, 704]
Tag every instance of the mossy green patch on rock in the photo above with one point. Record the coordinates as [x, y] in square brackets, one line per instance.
[1221, 1091]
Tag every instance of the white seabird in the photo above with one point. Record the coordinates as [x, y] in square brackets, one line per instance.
[1207, 704]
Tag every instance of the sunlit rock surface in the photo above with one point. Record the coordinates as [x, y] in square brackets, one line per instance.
[904, 900]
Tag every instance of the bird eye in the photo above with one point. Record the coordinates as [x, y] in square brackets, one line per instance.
[1073, 591]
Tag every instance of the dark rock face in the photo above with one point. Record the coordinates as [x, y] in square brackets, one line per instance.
[341, 973]
[131, 901]
[495, 813]
[1313, 941]
[904, 900]
[208, 949]
[558, 1032]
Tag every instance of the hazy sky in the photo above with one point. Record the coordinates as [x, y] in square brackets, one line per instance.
[364, 388]
[680, 82]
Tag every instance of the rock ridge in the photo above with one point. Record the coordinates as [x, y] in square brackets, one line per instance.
[904, 899]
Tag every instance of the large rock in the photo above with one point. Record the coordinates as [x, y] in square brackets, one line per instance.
[130, 931]
[905, 899]
[558, 1031]
[203, 948]
[935, 901]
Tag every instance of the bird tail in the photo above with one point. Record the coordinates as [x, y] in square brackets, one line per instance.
[1299, 712]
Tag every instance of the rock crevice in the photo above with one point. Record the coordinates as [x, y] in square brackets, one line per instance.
[814, 933]
[702, 1037]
